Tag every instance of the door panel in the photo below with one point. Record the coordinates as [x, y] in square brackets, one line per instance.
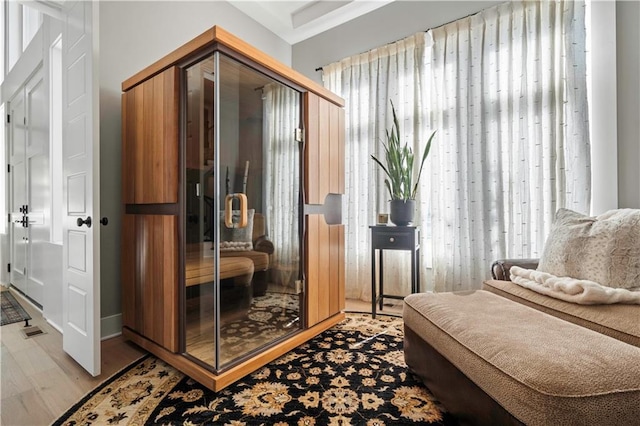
[17, 160]
[81, 240]
[38, 185]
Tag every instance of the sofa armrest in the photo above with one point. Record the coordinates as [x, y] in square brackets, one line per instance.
[262, 244]
[500, 268]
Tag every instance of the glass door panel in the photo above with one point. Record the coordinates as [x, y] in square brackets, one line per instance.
[199, 235]
[242, 210]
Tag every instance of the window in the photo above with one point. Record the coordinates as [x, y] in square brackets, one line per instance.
[20, 25]
[31, 21]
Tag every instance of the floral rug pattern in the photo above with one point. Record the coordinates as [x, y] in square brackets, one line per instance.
[352, 374]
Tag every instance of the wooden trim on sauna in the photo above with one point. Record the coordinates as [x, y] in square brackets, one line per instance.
[227, 39]
[217, 382]
[224, 38]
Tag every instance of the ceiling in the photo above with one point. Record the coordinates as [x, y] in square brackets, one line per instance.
[298, 20]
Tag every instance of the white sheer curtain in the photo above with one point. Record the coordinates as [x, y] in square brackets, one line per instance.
[282, 171]
[368, 82]
[508, 97]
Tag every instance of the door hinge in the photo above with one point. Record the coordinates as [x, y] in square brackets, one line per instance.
[299, 286]
[25, 121]
[8, 267]
[8, 118]
[8, 168]
[299, 135]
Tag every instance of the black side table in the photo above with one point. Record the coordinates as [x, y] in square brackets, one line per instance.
[393, 238]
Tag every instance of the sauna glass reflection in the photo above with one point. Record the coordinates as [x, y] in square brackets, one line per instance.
[242, 219]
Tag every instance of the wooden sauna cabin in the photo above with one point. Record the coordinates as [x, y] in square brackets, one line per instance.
[232, 183]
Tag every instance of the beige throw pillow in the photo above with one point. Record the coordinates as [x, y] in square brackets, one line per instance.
[237, 239]
[604, 249]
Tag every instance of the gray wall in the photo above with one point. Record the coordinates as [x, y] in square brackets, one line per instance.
[403, 18]
[132, 36]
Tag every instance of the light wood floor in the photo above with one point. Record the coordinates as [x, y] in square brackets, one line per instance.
[39, 381]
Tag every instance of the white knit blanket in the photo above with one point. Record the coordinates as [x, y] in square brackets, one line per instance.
[583, 292]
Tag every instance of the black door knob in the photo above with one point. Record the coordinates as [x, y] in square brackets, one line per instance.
[86, 221]
[104, 221]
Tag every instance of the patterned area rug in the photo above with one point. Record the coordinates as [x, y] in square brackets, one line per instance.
[269, 318]
[12, 311]
[352, 374]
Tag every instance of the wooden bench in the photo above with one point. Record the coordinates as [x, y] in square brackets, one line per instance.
[201, 270]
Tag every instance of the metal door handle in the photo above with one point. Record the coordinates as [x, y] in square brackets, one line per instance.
[104, 221]
[87, 221]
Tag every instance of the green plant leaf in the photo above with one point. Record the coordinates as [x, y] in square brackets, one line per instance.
[400, 161]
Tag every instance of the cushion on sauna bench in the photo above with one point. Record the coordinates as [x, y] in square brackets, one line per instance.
[541, 369]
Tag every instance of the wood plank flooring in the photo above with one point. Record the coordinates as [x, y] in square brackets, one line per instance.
[39, 381]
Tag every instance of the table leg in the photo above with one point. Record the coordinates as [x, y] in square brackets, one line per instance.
[417, 270]
[373, 283]
[381, 280]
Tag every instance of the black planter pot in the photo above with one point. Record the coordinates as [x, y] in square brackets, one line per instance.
[402, 211]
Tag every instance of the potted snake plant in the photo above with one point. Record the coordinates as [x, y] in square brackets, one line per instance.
[398, 167]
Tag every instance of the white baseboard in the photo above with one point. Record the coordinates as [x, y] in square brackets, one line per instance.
[54, 325]
[110, 326]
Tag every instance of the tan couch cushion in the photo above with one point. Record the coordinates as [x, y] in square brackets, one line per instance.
[619, 321]
[604, 249]
[540, 368]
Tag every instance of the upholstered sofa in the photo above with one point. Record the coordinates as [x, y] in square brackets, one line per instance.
[506, 354]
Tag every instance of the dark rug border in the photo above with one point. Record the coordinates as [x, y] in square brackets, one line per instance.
[19, 308]
[94, 391]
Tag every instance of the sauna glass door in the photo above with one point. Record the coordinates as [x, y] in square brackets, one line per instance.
[241, 211]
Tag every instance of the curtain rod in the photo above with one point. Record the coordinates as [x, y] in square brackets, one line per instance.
[426, 31]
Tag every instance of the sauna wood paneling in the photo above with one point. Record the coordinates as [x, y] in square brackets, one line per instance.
[324, 174]
[150, 143]
[312, 270]
[325, 269]
[150, 277]
[324, 149]
[311, 150]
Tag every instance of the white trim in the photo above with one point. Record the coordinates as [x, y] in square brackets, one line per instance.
[54, 325]
[110, 326]
[603, 113]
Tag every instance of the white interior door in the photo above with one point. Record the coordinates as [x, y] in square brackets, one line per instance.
[28, 137]
[37, 180]
[81, 236]
[18, 200]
